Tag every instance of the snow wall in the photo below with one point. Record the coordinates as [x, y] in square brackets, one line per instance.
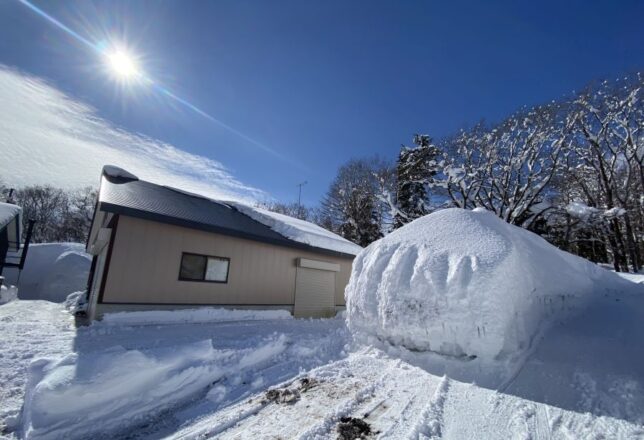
[52, 271]
[464, 283]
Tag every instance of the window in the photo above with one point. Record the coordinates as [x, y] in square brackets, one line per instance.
[196, 267]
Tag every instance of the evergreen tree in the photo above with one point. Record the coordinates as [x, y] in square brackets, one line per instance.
[415, 170]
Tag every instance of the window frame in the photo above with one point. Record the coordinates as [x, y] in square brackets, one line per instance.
[204, 280]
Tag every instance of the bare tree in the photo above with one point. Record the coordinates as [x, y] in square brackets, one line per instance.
[60, 215]
[507, 169]
[608, 157]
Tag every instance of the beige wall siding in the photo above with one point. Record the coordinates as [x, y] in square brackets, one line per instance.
[146, 255]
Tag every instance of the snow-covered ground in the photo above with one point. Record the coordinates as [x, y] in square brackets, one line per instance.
[144, 380]
[584, 379]
[403, 368]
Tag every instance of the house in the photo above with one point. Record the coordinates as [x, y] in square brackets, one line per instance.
[157, 247]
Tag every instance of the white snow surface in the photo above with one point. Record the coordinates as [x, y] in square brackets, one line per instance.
[52, 271]
[8, 293]
[584, 379]
[135, 381]
[299, 230]
[8, 212]
[465, 284]
[199, 315]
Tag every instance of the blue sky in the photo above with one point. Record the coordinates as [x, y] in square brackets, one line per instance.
[320, 82]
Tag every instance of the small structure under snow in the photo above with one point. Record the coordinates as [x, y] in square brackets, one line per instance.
[10, 236]
[10, 229]
[157, 247]
[463, 283]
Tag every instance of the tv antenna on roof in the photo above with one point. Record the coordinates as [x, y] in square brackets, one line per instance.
[299, 195]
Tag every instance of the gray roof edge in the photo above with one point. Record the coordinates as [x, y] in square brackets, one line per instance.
[176, 221]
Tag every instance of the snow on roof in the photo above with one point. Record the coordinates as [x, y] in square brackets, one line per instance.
[299, 230]
[580, 210]
[8, 212]
[11, 218]
[119, 188]
[114, 171]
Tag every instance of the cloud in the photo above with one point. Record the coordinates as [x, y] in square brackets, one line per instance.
[47, 137]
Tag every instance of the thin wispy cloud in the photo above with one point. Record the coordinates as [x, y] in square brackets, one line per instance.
[48, 137]
[148, 81]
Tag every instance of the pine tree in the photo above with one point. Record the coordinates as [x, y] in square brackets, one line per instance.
[415, 169]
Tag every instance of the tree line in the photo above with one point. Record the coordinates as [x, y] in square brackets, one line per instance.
[570, 170]
[61, 215]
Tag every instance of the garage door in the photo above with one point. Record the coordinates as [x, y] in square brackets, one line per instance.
[314, 289]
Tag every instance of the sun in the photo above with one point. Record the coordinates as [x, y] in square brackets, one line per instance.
[123, 65]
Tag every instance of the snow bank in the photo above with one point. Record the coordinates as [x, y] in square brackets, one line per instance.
[108, 391]
[52, 271]
[299, 230]
[8, 293]
[76, 302]
[464, 283]
[192, 316]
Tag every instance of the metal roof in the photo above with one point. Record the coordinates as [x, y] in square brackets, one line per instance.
[146, 200]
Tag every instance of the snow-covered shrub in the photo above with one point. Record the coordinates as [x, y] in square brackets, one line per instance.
[463, 283]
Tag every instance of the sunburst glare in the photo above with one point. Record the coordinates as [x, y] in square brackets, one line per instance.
[123, 65]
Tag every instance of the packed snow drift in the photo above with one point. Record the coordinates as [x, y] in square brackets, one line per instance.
[52, 271]
[194, 316]
[464, 284]
[82, 395]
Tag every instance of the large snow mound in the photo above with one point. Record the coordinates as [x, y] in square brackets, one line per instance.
[52, 271]
[464, 283]
[299, 230]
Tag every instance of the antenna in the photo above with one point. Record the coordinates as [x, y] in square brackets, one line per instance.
[299, 196]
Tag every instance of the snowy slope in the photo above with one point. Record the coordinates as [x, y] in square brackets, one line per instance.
[299, 230]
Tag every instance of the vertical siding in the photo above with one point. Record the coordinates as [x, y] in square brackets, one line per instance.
[144, 268]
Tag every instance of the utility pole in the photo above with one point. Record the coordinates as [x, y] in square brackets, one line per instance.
[299, 197]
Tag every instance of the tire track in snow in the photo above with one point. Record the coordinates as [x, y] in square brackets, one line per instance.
[430, 425]
[346, 408]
